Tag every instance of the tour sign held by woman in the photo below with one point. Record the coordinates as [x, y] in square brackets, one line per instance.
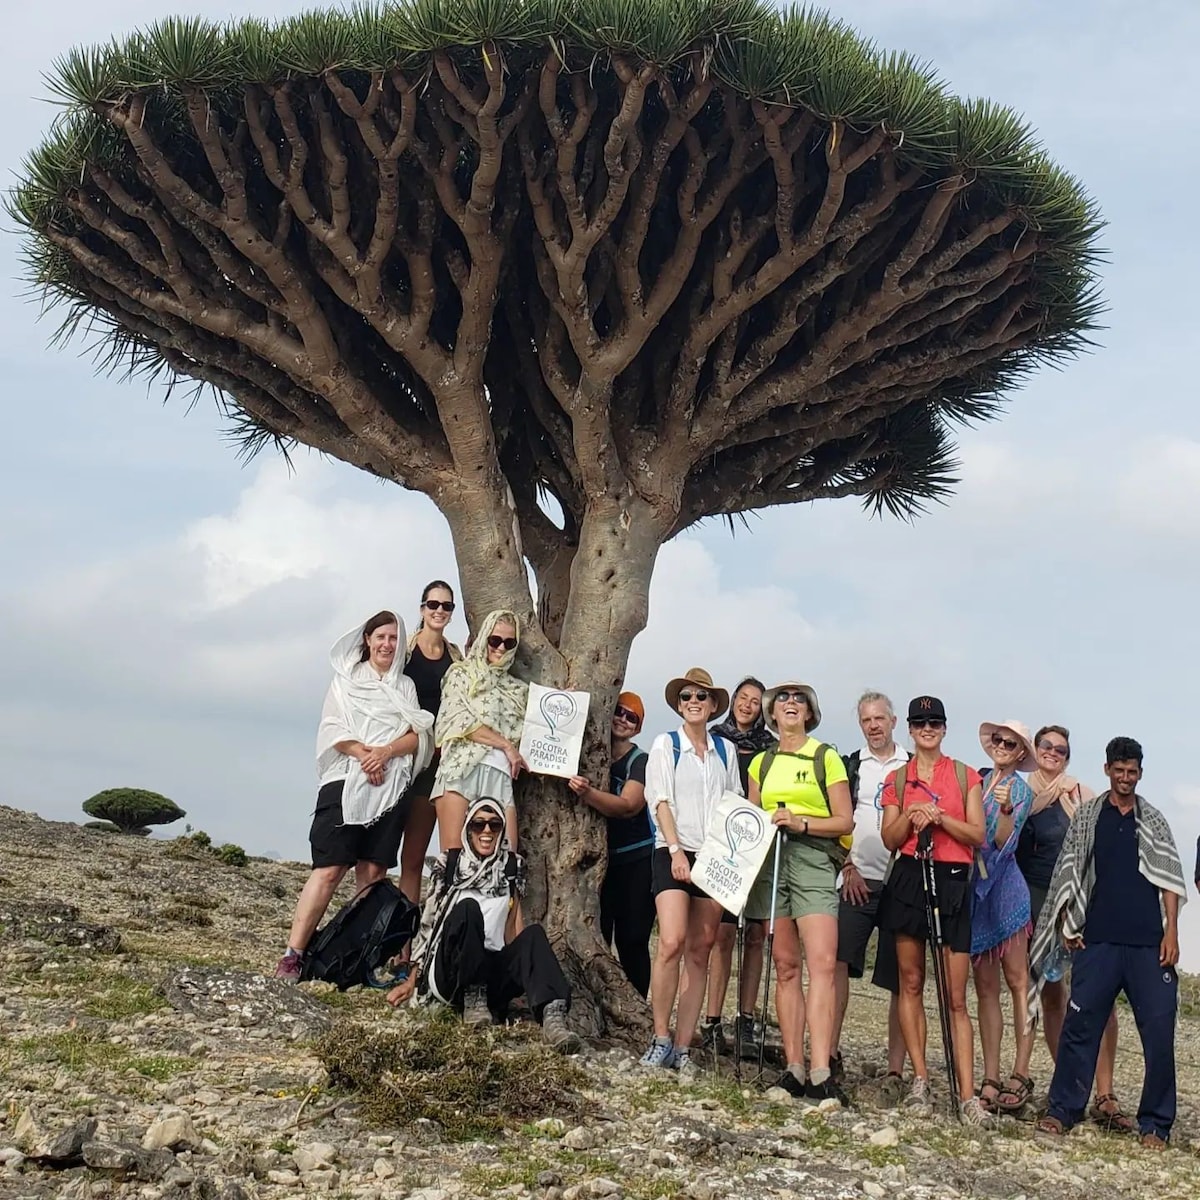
[787, 783]
[1000, 924]
[478, 731]
[944, 797]
[429, 658]
[372, 737]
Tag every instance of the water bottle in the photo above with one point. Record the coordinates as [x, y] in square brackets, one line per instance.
[1057, 964]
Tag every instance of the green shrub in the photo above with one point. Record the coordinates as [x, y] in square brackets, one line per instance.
[200, 838]
[102, 827]
[231, 855]
[132, 809]
[186, 914]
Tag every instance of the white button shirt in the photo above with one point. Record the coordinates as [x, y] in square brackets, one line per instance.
[692, 790]
[868, 853]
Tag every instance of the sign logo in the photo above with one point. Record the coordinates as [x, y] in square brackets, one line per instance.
[558, 709]
[743, 827]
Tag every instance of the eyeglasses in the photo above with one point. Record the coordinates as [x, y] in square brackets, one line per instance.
[1049, 747]
[496, 642]
[927, 723]
[494, 825]
[434, 605]
[797, 696]
[687, 697]
[1007, 743]
[625, 715]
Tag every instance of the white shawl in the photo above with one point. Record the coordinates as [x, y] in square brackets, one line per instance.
[362, 707]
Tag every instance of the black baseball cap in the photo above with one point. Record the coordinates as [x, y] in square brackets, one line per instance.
[926, 708]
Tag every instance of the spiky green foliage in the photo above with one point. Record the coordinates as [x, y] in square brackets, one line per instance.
[186, 89]
[132, 809]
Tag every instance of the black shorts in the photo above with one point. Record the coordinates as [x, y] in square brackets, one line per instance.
[337, 845]
[661, 879]
[1037, 897]
[903, 903]
[856, 923]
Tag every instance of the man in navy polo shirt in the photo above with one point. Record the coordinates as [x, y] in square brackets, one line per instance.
[1119, 865]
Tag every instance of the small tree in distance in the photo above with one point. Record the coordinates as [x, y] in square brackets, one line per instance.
[583, 272]
[131, 810]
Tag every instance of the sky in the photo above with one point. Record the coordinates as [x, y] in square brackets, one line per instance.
[166, 611]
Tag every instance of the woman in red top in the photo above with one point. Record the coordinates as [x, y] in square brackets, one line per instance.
[933, 799]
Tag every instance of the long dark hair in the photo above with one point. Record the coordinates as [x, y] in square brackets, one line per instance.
[429, 587]
[378, 621]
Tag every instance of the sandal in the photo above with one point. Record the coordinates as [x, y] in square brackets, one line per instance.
[1112, 1119]
[1151, 1141]
[989, 1102]
[1018, 1096]
[1051, 1125]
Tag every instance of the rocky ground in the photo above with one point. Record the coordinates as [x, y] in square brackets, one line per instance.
[143, 1054]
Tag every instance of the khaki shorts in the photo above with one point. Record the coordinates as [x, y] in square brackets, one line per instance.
[807, 884]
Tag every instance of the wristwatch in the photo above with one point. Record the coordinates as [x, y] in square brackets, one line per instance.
[806, 827]
[673, 848]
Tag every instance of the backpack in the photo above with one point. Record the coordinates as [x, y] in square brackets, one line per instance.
[838, 849]
[978, 867]
[853, 765]
[373, 927]
[718, 741]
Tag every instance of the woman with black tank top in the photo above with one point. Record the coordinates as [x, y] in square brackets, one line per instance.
[626, 903]
[429, 658]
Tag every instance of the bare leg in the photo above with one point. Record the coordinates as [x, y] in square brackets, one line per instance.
[672, 907]
[895, 1063]
[314, 900]
[510, 827]
[789, 989]
[703, 919]
[451, 816]
[841, 997]
[819, 934]
[367, 873]
[720, 967]
[991, 1020]
[418, 830]
[1054, 1009]
[752, 967]
[910, 958]
[958, 968]
[1015, 965]
[1106, 1064]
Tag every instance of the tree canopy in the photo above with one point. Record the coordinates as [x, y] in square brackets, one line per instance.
[131, 809]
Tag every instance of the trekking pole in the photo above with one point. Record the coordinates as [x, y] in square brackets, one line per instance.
[933, 916]
[762, 1029]
[737, 1022]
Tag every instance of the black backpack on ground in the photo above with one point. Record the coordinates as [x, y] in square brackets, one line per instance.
[369, 930]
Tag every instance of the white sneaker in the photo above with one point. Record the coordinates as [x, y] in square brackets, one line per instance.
[688, 1071]
[660, 1054]
[918, 1094]
[973, 1113]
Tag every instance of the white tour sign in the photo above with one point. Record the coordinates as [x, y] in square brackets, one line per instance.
[552, 739]
[738, 839]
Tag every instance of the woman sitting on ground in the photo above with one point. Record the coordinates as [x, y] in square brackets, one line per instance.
[1000, 925]
[687, 773]
[941, 799]
[373, 736]
[478, 731]
[786, 783]
[474, 951]
[626, 900]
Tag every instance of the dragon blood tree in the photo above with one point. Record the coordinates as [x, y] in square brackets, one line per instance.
[583, 272]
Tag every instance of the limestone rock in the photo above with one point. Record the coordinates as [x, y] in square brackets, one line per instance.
[248, 1002]
[57, 1146]
[579, 1138]
[314, 1156]
[887, 1136]
[171, 1130]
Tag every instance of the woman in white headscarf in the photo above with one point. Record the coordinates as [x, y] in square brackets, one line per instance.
[373, 738]
[478, 732]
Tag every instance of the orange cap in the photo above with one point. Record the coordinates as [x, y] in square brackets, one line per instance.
[633, 702]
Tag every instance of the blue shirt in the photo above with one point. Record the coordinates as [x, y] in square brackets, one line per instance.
[1124, 910]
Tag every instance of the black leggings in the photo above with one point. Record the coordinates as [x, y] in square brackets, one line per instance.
[627, 914]
[527, 965]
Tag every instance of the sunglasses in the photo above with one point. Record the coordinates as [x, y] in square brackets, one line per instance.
[496, 642]
[1006, 742]
[927, 723]
[786, 696]
[1051, 748]
[434, 605]
[625, 715]
[492, 825]
[686, 697]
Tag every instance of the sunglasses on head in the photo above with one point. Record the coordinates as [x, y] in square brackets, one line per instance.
[998, 739]
[434, 605]
[687, 696]
[927, 723]
[491, 824]
[799, 697]
[625, 715]
[496, 642]
[1050, 748]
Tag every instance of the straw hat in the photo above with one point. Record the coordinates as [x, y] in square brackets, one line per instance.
[697, 677]
[1020, 731]
[814, 709]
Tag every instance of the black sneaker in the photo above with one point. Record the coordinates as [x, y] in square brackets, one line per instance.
[749, 1035]
[827, 1091]
[712, 1036]
[792, 1085]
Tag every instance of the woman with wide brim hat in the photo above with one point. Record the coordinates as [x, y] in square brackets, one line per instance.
[687, 772]
[1001, 915]
[803, 785]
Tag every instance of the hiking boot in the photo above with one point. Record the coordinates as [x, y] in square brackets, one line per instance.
[289, 967]
[687, 1069]
[974, 1113]
[712, 1036]
[556, 1031]
[792, 1085]
[829, 1090]
[919, 1095]
[749, 1032]
[475, 1008]
[660, 1054]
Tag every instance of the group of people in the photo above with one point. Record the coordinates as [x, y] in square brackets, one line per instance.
[1032, 874]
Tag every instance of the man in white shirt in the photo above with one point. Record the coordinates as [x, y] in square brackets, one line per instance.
[862, 880]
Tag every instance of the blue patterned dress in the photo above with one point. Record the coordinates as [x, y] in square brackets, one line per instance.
[1000, 902]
